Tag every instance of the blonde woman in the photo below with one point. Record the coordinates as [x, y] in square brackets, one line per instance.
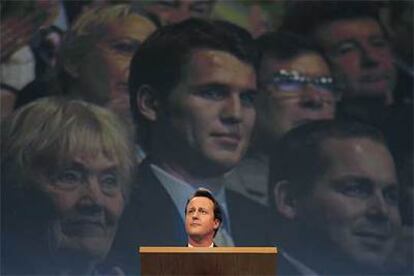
[66, 170]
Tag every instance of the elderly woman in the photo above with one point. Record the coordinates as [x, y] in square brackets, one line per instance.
[66, 168]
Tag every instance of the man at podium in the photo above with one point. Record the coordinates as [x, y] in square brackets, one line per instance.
[202, 219]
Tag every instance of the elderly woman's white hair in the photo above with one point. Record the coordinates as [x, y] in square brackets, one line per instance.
[44, 135]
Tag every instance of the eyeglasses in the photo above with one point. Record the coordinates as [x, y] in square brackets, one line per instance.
[292, 81]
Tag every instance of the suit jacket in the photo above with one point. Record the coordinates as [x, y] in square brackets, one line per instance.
[152, 219]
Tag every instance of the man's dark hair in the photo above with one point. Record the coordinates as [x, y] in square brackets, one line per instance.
[160, 60]
[202, 192]
[297, 157]
[304, 17]
[285, 46]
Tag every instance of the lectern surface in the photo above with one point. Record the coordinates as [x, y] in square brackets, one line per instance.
[208, 261]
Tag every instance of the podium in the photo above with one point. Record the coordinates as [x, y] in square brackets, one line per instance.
[208, 260]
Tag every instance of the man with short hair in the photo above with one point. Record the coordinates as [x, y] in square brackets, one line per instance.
[296, 87]
[335, 197]
[192, 87]
[202, 218]
[353, 38]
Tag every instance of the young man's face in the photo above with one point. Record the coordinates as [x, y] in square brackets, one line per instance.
[361, 56]
[286, 104]
[200, 222]
[354, 204]
[210, 113]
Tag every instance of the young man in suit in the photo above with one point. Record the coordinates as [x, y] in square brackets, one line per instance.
[192, 88]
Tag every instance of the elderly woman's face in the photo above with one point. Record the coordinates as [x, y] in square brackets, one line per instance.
[106, 67]
[88, 198]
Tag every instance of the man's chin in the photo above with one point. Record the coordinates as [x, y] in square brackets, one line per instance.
[369, 258]
[223, 165]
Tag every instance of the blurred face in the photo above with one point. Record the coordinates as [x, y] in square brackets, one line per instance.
[200, 222]
[174, 11]
[210, 112]
[284, 103]
[88, 199]
[361, 56]
[354, 205]
[108, 63]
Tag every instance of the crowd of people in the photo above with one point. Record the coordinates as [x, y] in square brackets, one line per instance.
[206, 123]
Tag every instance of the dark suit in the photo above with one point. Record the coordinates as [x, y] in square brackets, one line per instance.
[152, 219]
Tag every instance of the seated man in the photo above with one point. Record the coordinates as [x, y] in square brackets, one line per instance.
[192, 89]
[296, 87]
[353, 38]
[65, 180]
[202, 219]
[335, 193]
[351, 35]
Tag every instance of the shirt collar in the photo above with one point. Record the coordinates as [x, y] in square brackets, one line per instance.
[178, 190]
[301, 267]
[211, 245]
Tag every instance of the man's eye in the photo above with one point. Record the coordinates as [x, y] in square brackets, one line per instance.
[325, 87]
[215, 94]
[247, 98]
[379, 42]
[356, 189]
[344, 48]
[203, 212]
[391, 196]
[288, 86]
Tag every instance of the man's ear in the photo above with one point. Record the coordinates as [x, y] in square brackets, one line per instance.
[148, 101]
[216, 224]
[285, 200]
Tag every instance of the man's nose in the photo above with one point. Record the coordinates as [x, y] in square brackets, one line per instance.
[232, 111]
[195, 215]
[378, 208]
[311, 97]
[368, 57]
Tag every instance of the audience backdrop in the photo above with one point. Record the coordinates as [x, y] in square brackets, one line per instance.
[35, 36]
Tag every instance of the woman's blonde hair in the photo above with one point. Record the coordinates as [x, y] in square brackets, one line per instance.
[45, 135]
[91, 26]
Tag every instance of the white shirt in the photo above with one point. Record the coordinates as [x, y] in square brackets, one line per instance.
[211, 245]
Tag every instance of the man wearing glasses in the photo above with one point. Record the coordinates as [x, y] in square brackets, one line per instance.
[296, 87]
